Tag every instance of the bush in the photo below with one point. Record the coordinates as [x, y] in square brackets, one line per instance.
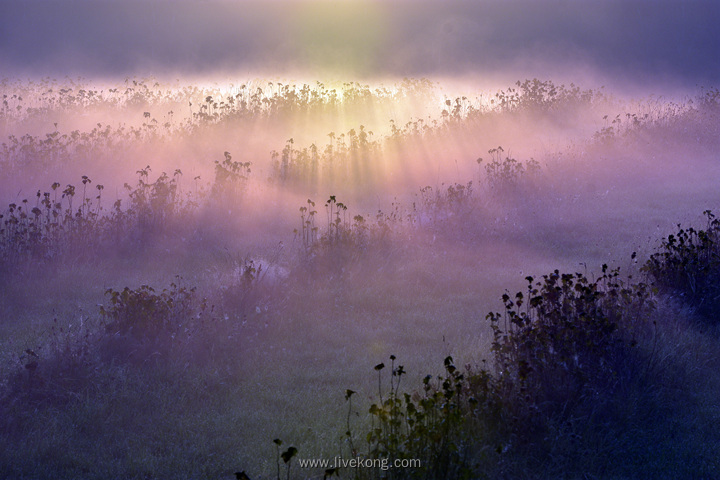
[78, 358]
[567, 363]
[506, 175]
[427, 427]
[444, 208]
[230, 177]
[566, 357]
[342, 241]
[688, 265]
[146, 315]
[570, 341]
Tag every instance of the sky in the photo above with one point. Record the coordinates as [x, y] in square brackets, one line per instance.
[646, 41]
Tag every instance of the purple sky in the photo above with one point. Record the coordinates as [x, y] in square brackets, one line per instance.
[640, 40]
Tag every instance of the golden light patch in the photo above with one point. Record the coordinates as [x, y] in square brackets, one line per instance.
[340, 37]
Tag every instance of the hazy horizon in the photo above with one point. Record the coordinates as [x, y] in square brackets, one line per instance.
[633, 43]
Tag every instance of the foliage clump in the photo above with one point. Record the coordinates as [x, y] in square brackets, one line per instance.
[566, 353]
[569, 341]
[154, 205]
[688, 266]
[342, 240]
[230, 176]
[135, 326]
[423, 431]
[144, 314]
[508, 174]
[443, 206]
[55, 225]
[565, 349]
[542, 96]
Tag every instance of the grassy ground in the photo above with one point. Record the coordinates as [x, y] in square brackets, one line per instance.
[273, 358]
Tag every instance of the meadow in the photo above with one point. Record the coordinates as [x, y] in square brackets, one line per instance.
[202, 278]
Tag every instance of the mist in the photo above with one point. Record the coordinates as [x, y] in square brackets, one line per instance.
[636, 41]
[220, 220]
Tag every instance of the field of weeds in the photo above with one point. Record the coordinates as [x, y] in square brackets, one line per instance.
[204, 279]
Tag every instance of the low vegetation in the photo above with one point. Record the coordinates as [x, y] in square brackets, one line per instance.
[577, 383]
[688, 266]
[164, 327]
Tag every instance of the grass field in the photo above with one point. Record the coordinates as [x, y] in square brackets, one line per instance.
[172, 325]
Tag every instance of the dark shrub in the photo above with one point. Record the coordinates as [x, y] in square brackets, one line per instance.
[688, 265]
[144, 314]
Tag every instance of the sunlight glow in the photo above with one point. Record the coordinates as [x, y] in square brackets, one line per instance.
[344, 38]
